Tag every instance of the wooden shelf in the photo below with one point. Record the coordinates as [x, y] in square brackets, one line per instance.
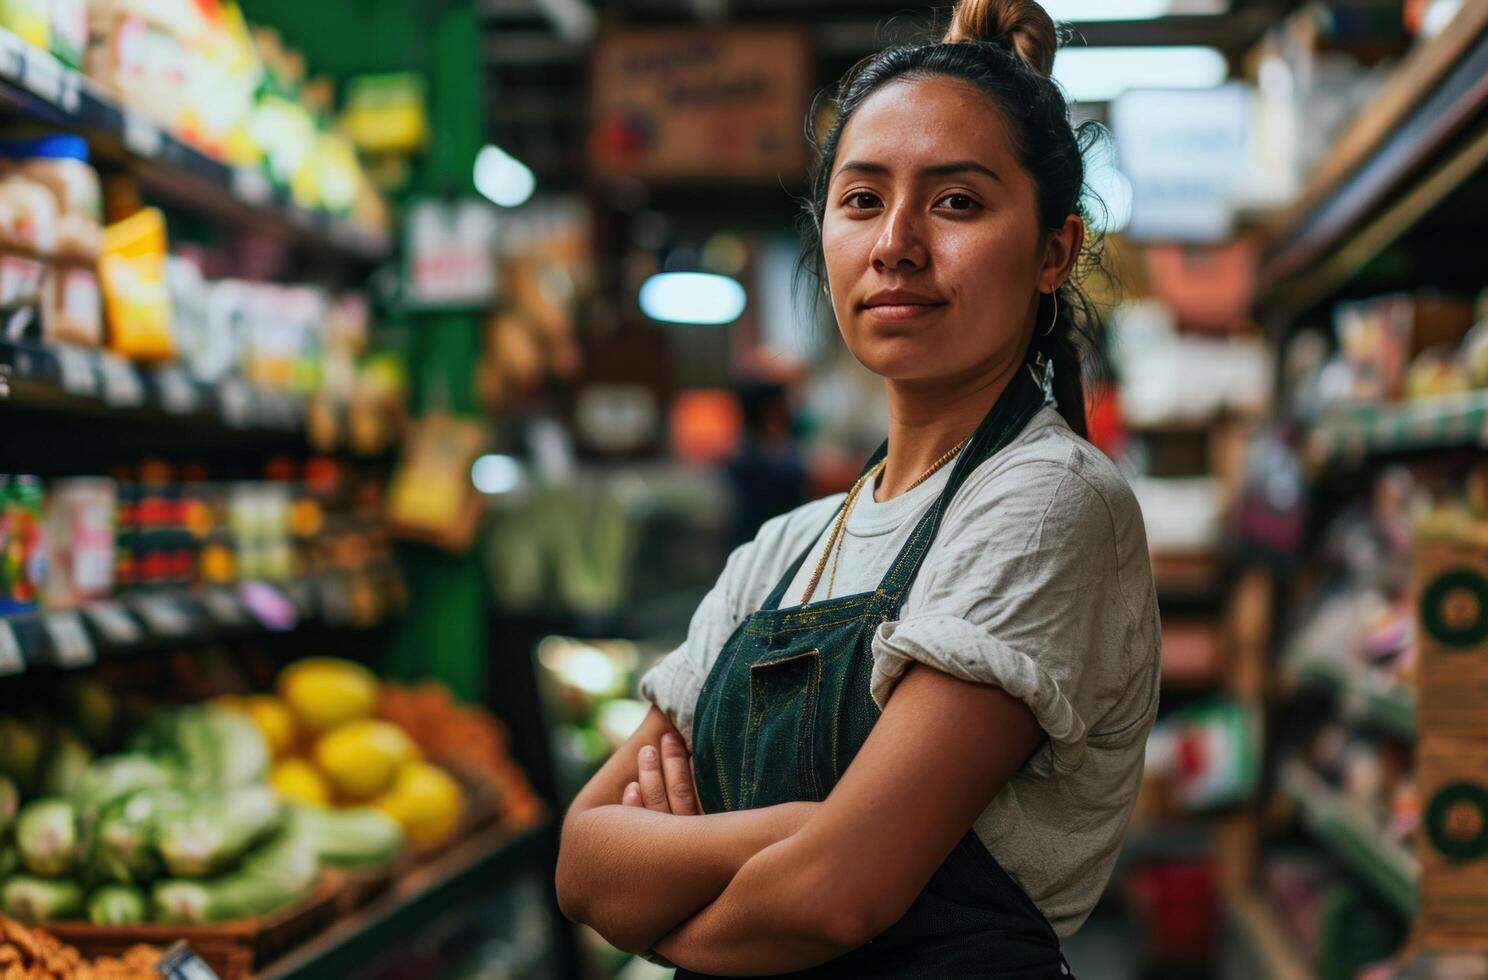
[1352, 837]
[1266, 949]
[1353, 434]
[1423, 136]
[1187, 577]
[1369, 697]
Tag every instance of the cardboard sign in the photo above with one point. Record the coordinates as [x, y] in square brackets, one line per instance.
[701, 103]
[1451, 589]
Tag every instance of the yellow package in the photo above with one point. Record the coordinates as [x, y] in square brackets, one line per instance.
[136, 297]
[30, 19]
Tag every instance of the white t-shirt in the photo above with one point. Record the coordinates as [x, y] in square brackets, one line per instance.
[1038, 581]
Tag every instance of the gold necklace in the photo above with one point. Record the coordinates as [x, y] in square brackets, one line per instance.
[847, 505]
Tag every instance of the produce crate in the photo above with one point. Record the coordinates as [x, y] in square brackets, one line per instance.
[232, 949]
[357, 889]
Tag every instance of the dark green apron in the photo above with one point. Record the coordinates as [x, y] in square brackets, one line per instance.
[787, 706]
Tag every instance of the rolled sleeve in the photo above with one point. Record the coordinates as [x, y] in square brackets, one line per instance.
[966, 651]
[673, 686]
[1023, 590]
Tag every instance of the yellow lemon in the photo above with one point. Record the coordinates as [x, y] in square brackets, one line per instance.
[426, 800]
[360, 758]
[324, 692]
[274, 719]
[299, 781]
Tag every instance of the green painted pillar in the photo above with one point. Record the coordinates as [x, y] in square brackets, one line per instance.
[444, 631]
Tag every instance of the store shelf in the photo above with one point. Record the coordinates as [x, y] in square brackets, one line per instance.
[470, 868]
[1352, 837]
[1265, 948]
[1192, 652]
[150, 620]
[1184, 577]
[1364, 695]
[1457, 421]
[1420, 139]
[37, 87]
[83, 402]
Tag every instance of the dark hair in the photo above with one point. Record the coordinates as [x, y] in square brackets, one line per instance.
[1006, 48]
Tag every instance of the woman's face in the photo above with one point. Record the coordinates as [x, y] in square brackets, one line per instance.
[934, 251]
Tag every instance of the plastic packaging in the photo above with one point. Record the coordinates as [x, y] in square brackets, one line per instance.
[67, 291]
[135, 291]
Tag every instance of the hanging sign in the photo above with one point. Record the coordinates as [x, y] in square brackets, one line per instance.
[701, 103]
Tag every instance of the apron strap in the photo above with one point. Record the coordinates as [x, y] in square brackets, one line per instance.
[1017, 404]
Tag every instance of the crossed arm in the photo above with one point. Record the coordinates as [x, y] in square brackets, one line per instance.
[786, 887]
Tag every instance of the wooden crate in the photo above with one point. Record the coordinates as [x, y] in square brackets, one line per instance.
[232, 949]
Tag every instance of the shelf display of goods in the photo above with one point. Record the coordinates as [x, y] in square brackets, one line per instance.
[196, 69]
[183, 827]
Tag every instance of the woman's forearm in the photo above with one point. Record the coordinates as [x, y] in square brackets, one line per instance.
[772, 917]
[633, 874]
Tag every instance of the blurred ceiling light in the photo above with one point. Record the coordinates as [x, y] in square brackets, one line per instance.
[503, 178]
[1084, 11]
[1101, 74]
[692, 297]
[493, 474]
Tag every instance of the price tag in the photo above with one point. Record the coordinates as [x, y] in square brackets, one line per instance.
[270, 608]
[122, 387]
[251, 186]
[141, 136]
[162, 616]
[43, 74]
[180, 962]
[78, 376]
[11, 661]
[177, 394]
[223, 607]
[237, 403]
[71, 99]
[70, 644]
[113, 622]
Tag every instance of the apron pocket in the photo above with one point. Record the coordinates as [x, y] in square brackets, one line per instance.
[782, 715]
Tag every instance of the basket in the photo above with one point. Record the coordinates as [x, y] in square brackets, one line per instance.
[231, 949]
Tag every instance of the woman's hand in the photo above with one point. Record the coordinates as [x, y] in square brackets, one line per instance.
[664, 781]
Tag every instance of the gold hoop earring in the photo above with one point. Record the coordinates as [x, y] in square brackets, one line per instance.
[1055, 318]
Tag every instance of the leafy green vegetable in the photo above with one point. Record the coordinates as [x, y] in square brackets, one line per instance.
[66, 761]
[214, 830]
[10, 801]
[33, 899]
[278, 873]
[117, 905]
[21, 747]
[46, 833]
[109, 778]
[357, 839]
[122, 847]
[210, 745]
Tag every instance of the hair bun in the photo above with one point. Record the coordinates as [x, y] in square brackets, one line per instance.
[1021, 25]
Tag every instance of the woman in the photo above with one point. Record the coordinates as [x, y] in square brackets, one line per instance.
[916, 712]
